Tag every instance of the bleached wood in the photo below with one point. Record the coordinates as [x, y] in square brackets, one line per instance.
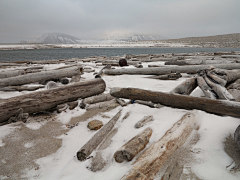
[186, 87]
[41, 76]
[47, 99]
[143, 121]
[220, 107]
[13, 73]
[102, 105]
[130, 149]
[92, 144]
[21, 88]
[168, 70]
[149, 163]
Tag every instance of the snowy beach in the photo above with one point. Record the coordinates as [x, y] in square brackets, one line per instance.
[45, 146]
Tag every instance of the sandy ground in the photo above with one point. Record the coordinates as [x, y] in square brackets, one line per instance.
[24, 145]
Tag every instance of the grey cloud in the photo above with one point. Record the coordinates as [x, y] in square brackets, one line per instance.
[26, 20]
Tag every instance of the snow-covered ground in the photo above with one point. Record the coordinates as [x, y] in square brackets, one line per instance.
[100, 44]
[209, 163]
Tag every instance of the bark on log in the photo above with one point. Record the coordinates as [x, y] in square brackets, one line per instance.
[144, 121]
[220, 107]
[47, 99]
[98, 163]
[149, 163]
[7, 74]
[41, 76]
[186, 87]
[237, 136]
[92, 144]
[129, 150]
[168, 70]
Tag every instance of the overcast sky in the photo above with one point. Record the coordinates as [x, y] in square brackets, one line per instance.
[30, 19]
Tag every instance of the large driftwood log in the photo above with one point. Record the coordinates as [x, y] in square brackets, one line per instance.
[168, 70]
[47, 99]
[92, 144]
[98, 162]
[149, 163]
[129, 150]
[221, 107]
[7, 74]
[199, 61]
[41, 76]
[185, 87]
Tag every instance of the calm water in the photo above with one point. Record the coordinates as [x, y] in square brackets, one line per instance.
[47, 54]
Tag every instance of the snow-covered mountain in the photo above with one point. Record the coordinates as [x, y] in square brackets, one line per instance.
[129, 37]
[57, 38]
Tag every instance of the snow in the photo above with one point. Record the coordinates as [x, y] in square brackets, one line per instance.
[63, 165]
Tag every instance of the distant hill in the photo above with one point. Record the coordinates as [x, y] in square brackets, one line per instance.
[57, 38]
[220, 41]
[128, 37]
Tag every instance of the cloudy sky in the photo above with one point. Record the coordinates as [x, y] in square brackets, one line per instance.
[30, 19]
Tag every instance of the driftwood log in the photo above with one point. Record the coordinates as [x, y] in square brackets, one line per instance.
[143, 121]
[186, 87]
[199, 61]
[13, 73]
[98, 162]
[41, 76]
[220, 107]
[47, 99]
[147, 103]
[102, 105]
[168, 70]
[21, 88]
[173, 172]
[172, 76]
[149, 163]
[92, 144]
[96, 99]
[129, 150]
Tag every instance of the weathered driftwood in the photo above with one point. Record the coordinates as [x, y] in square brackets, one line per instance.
[99, 74]
[129, 150]
[221, 107]
[41, 76]
[76, 78]
[98, 163]
[172, 76]
[92, 144]
[230, 56]
[168, 70]
[21, 88]
[65, 106]
[173, 172]
[47, 99]
[121, 102]
[96, 99]
[126, 116]
[13, 73]
[235, 93]
[237, 136]
[199, 61]
[102, 105]
[143, 121]
[147, 103]
[205, 88]
[162, 59]
[185, 87]
[149, 163]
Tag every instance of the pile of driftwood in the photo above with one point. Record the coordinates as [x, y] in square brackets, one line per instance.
[220, 83]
